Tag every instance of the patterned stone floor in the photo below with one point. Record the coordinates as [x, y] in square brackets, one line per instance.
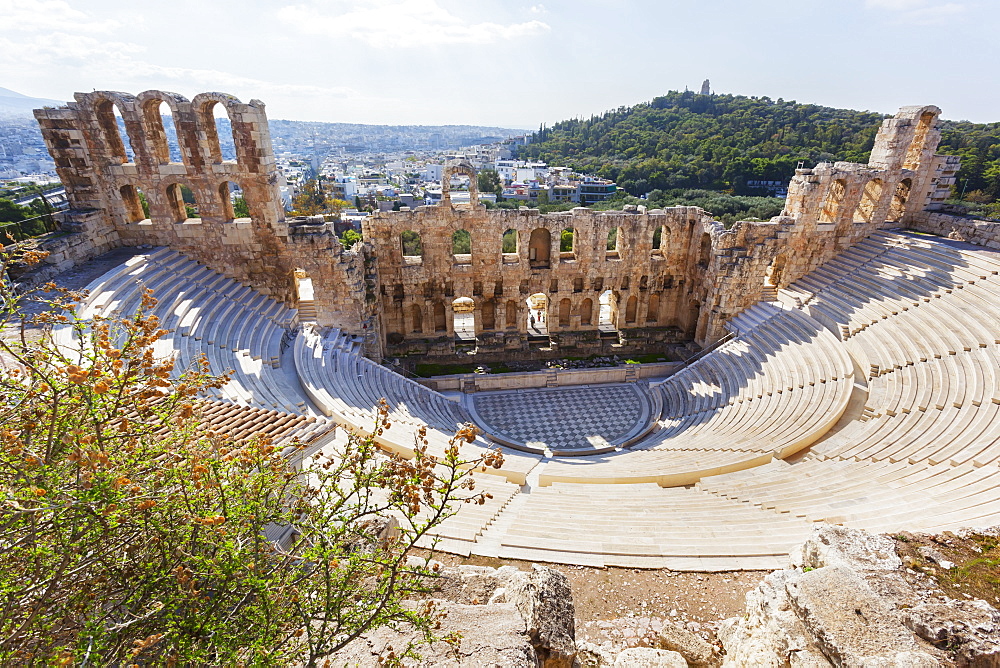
[588, 418]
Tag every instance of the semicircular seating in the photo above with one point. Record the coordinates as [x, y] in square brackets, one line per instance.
[870, 398]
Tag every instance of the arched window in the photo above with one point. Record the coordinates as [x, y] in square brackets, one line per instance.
[411, 247]
[161, 133]
[567, 244]
[653, 308]
[489, 317]
[918, 144]
[216, 124]
[416, 319]
[612, 247]
[231, 199]
[834, 198]
[511, 314]
[899, 197]
[461, 246]
[134, 205]
[565, 306]
[869, 201]
[108, 118]
[631, 306]
[440, 322]
[509, 243]
[587, 311]
[705, 252]
[539, 247]
[181, 203]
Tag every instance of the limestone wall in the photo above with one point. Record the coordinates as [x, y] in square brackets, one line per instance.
[674, 275]
[106, 186]
[980, 232]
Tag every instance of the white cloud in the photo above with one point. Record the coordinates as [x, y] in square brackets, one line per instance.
[538, 9]
[402, 23]
[923, 12]
[51, 15]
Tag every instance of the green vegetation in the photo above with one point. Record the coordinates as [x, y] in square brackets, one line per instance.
[240, 207]
[133, 534]
[566, 241]
[24, 222]
[720, 142]
[509, 241]
[349, 238]
[461, 242]
[411, 243]
[488, 181]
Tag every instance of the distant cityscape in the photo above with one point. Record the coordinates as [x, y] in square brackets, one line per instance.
[371, 167]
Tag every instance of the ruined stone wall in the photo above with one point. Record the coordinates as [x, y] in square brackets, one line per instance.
[675, 275]
[984, 233]
[104, 185]
[658, 291]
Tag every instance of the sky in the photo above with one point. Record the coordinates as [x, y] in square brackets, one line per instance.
[508, 63]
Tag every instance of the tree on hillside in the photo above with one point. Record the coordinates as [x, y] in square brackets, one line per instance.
[134, 534]
[488, 181]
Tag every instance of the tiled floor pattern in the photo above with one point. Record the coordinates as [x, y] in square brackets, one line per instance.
[562, 419]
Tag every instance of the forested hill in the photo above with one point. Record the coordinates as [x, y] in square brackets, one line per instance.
[688, 140]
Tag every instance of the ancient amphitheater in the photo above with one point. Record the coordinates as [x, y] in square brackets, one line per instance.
[850, 364]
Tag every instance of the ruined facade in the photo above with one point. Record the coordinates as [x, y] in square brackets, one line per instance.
[626, 281]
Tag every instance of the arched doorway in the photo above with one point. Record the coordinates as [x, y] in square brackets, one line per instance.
[538, 309]
[607, 313]
[464, 314]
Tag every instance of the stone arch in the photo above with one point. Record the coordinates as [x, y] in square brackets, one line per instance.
[607, 313]
[693, 315]
[919, 142]
[653, 308]
[175, 202]
[104, 110]
[539, 247]
[510, 314]
[705, 251]
[565, 308]
[150, 104]
[833, 201]
[508, 242]
[416, 319]
[226, 200]
[204, 111]
[587, 311]
[440, 317]
[132, 206]
[869, 201]
[567, 244]
[411, 246]
[631, 307]
[538, 310]
[489, 314]
[463, 310]
[899, 198]
[456, 168]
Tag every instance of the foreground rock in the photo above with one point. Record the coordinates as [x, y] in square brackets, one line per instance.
[847, 600]
[504, 617]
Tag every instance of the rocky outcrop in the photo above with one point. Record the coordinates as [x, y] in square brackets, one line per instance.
[847, 600]
[502, 617]
[695, 651]
[648, 657]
